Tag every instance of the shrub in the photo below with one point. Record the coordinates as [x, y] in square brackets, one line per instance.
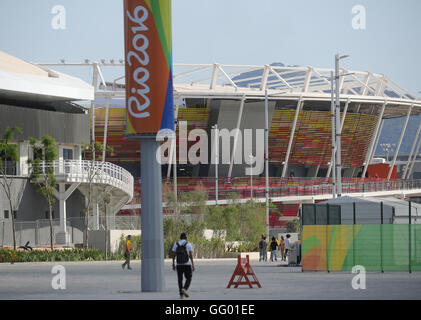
[293, 225]
[7, 255]
[245, 246]
[243, 222]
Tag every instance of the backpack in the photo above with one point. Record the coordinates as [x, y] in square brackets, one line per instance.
[181, 253]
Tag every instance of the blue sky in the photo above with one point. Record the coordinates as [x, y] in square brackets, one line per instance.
[299, 32]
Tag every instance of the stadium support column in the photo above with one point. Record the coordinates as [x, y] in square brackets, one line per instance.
[411, 169]
[62, 195]
[405, 176]
[291, 138]
[107, 106]
[93, 105]
[173, 147]
[376, 137]
[400, 142]
[237, 132]
[151, 223]
[267, 159]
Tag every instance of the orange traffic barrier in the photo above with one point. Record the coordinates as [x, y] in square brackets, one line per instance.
[243, 270]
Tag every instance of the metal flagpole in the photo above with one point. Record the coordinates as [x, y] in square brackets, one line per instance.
[267, 159]
[338, 134]
[216, 162]
[333, 160]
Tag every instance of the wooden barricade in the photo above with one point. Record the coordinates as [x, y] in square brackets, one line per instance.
[245, 274]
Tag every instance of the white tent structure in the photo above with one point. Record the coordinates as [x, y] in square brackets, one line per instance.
[368, 210]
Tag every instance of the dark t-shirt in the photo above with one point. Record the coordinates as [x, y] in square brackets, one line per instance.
[273, 245]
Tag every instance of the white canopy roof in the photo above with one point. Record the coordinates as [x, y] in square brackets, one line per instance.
[23, 80]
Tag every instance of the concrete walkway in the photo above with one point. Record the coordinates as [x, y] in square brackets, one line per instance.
[106, 280]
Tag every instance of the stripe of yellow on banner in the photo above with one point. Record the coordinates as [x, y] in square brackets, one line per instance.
[326, 247]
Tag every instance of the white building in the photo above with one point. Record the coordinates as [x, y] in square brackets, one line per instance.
[42, 102]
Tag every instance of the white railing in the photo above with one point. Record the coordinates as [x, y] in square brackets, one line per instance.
[85, 171]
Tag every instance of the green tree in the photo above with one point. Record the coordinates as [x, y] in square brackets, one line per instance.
[241, 221]
[293, 225]
[42, 172]
[9, 153]
[93, 170]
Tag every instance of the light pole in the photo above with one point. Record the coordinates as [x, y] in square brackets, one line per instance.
[251, 158]
[332, 113]
[338, 126]
[216, 162]
[267, 159]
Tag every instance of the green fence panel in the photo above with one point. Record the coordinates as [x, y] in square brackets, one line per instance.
[375, 247]
[321, 215]
[367, 247]
[395, 247]
[416, 247]
[308, 214]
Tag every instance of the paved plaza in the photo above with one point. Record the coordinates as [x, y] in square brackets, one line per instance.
[106, 280]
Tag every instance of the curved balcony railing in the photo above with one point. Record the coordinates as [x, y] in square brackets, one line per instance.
[85, 171]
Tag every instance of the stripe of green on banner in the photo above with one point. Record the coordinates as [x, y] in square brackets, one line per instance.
[162, 16]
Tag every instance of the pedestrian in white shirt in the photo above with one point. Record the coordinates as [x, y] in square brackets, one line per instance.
[183, 251]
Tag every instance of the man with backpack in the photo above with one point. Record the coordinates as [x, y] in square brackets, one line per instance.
[183, 251]
[263, 249]
[273, 247]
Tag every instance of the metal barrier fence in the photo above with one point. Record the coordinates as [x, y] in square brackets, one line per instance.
[117, 223]
[314, 190]
[305, 189]
[38, 232]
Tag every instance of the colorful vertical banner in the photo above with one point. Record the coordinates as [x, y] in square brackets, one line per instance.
[148, 53]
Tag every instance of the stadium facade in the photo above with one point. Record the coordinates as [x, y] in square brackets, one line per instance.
[233, 97]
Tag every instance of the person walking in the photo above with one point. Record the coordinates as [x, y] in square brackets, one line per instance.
[287, 245]
[183, 252]
[273, 248]
[127, 253]
[263, 249]
[282, 247]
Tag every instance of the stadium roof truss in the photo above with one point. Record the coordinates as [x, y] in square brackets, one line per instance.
[223, 81]
[300, 84]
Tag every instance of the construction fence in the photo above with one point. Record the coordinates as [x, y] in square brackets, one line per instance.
[377, 236]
